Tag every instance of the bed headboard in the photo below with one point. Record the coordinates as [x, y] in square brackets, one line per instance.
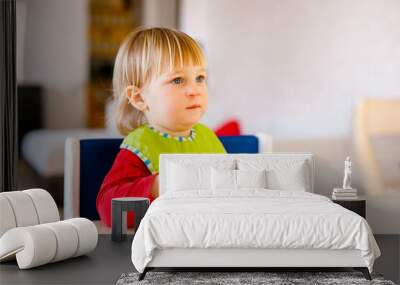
[308, 159]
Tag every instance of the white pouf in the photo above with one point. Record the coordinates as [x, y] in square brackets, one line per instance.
[37, 245]
[31, 232]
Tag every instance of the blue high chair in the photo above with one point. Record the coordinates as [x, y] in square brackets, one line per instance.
[87, 161]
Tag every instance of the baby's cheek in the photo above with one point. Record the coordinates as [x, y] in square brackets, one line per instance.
[172, 113]
[205, 103]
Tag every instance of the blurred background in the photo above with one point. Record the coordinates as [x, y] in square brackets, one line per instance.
[317, 76]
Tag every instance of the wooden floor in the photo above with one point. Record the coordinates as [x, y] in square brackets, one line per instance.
[106, 264]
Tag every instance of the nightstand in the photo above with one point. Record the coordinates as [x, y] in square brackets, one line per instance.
[358, 206]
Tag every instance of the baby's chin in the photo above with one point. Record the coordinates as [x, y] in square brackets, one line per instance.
[194, 118]
[188, 123]
[185, 120]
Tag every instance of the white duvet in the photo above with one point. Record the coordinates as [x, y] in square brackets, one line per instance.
[250, 218]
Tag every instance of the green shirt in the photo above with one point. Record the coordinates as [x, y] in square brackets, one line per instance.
[148, 143]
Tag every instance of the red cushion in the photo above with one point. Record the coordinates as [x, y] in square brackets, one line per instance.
[228, 128]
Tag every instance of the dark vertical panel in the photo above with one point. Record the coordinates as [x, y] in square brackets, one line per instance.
[8, 98]
[396, 279]
[30, 110]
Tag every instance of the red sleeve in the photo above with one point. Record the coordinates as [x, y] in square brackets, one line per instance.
[128, 177]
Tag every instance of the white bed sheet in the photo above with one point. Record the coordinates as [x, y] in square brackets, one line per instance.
[250, 218]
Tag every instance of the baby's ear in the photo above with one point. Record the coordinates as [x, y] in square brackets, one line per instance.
[135, 97]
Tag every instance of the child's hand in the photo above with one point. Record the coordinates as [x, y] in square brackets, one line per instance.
[154, 189]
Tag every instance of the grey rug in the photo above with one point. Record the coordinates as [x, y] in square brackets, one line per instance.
[228, 278]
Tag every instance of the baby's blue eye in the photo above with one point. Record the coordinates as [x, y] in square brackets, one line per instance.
[178, 80]
[200, 78]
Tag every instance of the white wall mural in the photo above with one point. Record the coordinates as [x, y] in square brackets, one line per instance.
[298, 70]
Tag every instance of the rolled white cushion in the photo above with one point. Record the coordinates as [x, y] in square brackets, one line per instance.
[67, 240]
[45, 205]
[87, 235]
[7, 218]
[45, 243]
[23, 208]
[33, 246]
[26, 208]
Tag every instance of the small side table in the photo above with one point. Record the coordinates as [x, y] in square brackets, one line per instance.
[120, 206]
[358, 206]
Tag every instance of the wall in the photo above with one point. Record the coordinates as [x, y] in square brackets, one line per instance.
[55, 56]
[296, 70]
[160, 13]
[54, 52]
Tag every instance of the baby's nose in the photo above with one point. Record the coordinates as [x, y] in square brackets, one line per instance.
[192, 90]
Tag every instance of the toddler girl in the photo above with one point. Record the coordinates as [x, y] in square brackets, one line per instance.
[160, 94]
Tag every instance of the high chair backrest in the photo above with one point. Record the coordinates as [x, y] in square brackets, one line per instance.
[87, 162]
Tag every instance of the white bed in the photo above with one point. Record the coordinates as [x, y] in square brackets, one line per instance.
[221, 211]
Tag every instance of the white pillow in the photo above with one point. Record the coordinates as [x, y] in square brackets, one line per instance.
[223, 179]
[251, 178]
[228, 179]
[189, 174]
[289, 179]
[181, 177]
[282, 174]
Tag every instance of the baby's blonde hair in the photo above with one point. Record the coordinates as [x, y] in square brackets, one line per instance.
[145, 54]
